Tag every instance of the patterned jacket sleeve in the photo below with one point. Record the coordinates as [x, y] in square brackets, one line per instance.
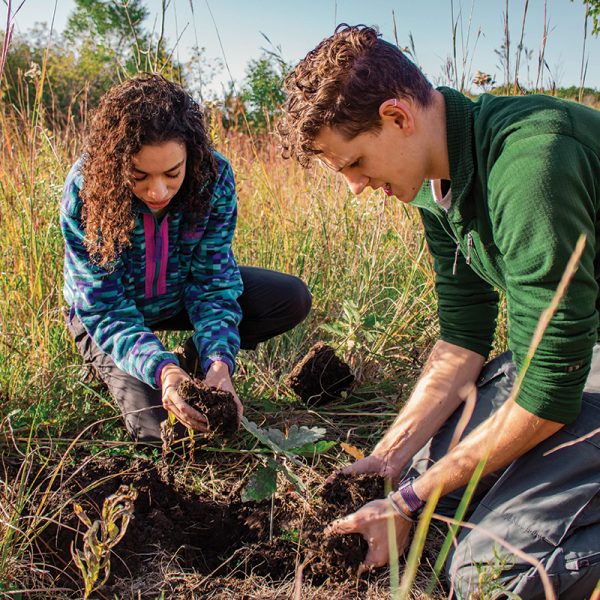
[97, 297]
[215, 282]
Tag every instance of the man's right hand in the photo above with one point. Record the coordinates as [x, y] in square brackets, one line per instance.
[376, 465]
[171, 377]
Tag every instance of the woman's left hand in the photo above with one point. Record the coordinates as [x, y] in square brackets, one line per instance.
[372, 522]
[218, 377]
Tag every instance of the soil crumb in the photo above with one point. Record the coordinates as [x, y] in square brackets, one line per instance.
[218, 406]
[320, 376]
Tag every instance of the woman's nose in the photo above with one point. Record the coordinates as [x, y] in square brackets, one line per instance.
[157, 190]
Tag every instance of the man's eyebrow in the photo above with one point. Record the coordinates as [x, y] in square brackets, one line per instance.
[167, 171]
[350, 162]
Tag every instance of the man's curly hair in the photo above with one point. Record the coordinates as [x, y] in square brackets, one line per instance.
[147, 109]
[342, 83]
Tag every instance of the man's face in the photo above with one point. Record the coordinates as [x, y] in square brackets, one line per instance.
[392, 159]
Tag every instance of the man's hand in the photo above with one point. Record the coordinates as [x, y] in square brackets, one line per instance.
[372, 522]
[171, 377]
[218, 377]
[377, 465]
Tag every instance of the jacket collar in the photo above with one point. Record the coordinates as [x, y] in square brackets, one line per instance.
[460, 141]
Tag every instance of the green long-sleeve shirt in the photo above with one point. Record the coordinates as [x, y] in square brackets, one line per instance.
[525, 180]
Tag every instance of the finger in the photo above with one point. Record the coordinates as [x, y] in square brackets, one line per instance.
[376, 557]
[332, 477]
[342, 526]
[186, 414]
[240, 408]
[360, 467]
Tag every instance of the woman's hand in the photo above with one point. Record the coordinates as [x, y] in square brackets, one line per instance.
[171, 377]
[218, 377]
[372, 522]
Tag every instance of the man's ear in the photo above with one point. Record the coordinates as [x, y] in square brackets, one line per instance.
[399, 111]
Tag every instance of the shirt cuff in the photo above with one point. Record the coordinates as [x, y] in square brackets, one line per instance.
[161, 365]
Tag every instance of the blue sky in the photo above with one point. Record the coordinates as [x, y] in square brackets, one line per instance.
[297, 26]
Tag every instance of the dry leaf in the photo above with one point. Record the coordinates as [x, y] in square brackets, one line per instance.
[353, 451]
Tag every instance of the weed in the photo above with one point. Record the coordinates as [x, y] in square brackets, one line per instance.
[101, 536]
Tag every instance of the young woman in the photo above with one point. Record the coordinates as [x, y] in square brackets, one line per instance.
[147, 215]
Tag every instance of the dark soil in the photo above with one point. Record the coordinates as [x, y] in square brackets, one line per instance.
[339, 556]
[320, 376]
[218, 406]
[198, 535]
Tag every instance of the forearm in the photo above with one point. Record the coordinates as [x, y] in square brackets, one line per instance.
[447, 379]
[499, 440]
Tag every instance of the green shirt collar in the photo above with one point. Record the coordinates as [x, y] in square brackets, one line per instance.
[459, 135]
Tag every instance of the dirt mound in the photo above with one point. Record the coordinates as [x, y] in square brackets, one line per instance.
[204, 536]
[320, 376]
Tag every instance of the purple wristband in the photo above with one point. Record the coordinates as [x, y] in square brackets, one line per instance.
[159, 369]
[408, 494]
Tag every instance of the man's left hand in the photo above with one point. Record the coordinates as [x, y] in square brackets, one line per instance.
[372, 522]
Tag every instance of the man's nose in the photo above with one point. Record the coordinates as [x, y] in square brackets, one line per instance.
[357, 183]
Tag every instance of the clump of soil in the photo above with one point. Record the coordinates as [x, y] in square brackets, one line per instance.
[340, 555]
[218, 406]
[320, 376]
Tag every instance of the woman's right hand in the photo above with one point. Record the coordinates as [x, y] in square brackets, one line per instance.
[171, 377]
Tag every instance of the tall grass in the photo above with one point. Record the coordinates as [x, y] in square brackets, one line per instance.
[364, 259]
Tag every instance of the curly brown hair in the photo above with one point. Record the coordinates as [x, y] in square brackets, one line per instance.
[147, 109]
[342, 83]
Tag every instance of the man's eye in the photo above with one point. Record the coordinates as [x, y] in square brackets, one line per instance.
[355, 163]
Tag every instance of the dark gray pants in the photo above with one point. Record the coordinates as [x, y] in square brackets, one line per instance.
[271, 304]
[547, 505]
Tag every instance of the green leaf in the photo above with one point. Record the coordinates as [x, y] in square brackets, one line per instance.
[314, 448]
[276, 440]
[293, 479]
[260, 434]
[261, 485]
[334, 329]
[297, 436]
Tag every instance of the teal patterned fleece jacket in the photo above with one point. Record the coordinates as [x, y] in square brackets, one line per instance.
[167, 268]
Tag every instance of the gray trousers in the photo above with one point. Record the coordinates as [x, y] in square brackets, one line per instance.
[271, 304]
[546, 505]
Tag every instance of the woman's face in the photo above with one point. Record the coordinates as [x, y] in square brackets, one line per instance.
[157, 173]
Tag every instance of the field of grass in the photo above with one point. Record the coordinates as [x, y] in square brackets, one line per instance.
[363, 258]
[64, 451]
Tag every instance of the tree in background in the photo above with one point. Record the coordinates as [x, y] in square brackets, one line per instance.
[103, 42]
[262, 93]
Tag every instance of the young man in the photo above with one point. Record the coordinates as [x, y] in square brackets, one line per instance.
[505, 188]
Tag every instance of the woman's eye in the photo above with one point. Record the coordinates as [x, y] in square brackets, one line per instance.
[173, 176]
[139, 178]
[355, 163]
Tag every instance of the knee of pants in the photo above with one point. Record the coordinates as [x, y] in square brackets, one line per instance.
[477, 565]
[461, 574]
[300, 300]
[144, 429]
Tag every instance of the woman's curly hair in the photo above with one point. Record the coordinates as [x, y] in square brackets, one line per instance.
[342, 83]
[147, 109]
